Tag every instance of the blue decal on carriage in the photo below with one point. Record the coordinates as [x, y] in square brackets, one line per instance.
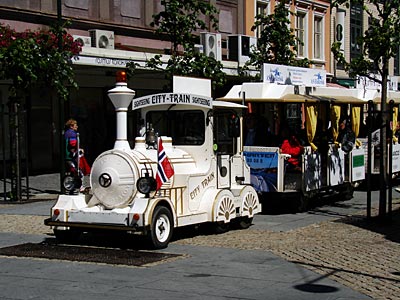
[261, 160]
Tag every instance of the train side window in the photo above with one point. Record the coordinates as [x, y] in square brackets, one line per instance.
[226, 128]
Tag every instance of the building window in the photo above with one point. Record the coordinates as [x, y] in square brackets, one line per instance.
[301, 34]
[262, 8]
[355, 29]
[131, 8]
[80, 4]
[318, 38]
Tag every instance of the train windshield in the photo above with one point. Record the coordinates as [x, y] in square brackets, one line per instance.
[186, 127]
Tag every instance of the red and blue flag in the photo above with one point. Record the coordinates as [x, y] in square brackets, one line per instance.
[164, 167]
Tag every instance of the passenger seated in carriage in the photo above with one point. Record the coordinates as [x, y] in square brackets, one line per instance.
[346, 136]
[292, 146]
[253, 135]
[258, 133]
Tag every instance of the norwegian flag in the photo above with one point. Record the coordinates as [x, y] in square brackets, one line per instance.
[164, 168]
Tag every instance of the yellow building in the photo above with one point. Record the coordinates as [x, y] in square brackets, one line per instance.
[311, 23]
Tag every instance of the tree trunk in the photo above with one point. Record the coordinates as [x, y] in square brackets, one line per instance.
[15, 149]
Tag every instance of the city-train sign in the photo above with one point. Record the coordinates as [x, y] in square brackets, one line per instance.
[172, 98]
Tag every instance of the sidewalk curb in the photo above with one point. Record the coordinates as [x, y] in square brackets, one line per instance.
[32, 198]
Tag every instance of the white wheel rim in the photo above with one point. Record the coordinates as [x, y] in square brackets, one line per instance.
[162, 228]
[250, 204]
[226, 209]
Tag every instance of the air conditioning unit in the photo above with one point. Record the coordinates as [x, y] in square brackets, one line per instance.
[212, 44]
[198, 48]
[239, 47]
[85, 41]
[102, 38]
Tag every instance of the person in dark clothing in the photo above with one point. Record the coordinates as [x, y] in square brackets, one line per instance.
[254, 134]
[75, 158]
[346, 136]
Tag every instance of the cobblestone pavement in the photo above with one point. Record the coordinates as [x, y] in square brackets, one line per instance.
[349, 250]
[360, 254]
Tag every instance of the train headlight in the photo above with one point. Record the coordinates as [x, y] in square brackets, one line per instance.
[70, 183]
[146, 184]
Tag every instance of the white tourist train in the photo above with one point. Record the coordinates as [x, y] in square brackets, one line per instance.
[195, 143]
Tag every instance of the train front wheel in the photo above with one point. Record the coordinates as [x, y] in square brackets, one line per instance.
[221, 227]
[161, 227]
[67, 236]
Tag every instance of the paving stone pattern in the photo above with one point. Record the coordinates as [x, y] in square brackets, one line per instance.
[363, 255]
[346, 250]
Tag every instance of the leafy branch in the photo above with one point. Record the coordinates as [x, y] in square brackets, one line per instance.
[35, 57]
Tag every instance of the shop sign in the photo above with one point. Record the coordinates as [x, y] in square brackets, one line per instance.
[293, 75]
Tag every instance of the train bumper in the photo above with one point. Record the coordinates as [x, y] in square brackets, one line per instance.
[76, 211]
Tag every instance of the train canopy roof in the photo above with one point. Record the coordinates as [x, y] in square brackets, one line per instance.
[272, 92]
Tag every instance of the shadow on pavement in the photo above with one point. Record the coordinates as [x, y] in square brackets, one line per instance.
[389, 226]
[315, 288]
[333, 270]
[291, 203]
[115, 256]
[123, 240]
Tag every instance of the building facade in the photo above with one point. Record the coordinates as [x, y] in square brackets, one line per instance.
[117, 31]
[347, 24]
[114, 32]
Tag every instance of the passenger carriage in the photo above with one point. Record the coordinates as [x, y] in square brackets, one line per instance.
[210, 181]
[313, 115]
[392, 143]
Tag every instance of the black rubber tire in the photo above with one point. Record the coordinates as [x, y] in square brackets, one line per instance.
[303, 203]
[67, 236]
[349, 194]
[244, 222]
[161, 228]
[221, 227]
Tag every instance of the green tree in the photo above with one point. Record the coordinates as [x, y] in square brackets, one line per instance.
[379, 43]
[276, 43]
[178, 22]
[34, 59]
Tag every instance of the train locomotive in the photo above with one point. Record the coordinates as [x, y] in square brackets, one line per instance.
[199, 139]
